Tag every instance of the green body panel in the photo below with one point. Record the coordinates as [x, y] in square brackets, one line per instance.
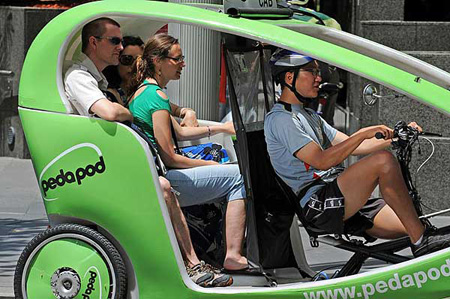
[63, 253]
[122, 199]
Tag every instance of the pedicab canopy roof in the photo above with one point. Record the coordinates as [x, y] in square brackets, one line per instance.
[41, 84]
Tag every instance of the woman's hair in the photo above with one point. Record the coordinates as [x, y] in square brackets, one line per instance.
[156, 47]
[111, 73]
[132, 41]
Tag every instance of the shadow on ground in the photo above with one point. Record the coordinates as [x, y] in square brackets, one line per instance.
[14, 236]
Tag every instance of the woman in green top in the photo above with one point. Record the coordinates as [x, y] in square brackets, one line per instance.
[197, 181]
[119, 77]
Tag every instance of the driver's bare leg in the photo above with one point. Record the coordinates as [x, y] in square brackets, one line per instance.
[386, 225]
[234, 232]
[359, 180]
[179, 224]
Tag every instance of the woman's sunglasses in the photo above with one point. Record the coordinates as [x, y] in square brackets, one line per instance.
[126, 60]
[176, 59]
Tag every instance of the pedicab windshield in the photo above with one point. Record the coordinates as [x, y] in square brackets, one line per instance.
[254, 88]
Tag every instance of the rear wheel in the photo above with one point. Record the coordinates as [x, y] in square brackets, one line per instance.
[70, 261]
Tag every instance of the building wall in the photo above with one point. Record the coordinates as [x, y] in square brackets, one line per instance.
[18, 28]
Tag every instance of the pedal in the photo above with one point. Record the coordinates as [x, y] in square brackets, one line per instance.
[313, 241]
[272, 282]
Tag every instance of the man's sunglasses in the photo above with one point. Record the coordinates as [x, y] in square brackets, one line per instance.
[177, 59]
[114, 40]
[314, 71]
[126, 60]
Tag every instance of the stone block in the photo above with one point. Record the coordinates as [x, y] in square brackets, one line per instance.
[440, 59]
[406, 109]
[382, 10]
[354, 94]
[11, 59]
[18, 28]
[367, 115]
[12, 45]
[35, 20]
[408, 36]
[394, 34]
[432, 36]
[432, 180]
[9, 118]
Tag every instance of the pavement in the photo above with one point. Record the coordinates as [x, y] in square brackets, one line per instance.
[22, 216]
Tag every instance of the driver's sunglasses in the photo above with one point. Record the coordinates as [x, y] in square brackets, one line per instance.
[114, 40]
[177, 59]
[314, 71]
[126, 60]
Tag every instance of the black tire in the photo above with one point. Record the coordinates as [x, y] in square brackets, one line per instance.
[111, 257]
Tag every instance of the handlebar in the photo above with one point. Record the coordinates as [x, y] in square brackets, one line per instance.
[379, 135]
[405, 133]
[401, 131]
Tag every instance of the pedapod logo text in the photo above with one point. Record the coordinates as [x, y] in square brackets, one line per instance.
[70, 176]
[92, 273]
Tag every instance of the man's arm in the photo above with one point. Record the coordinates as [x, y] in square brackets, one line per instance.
[366, 147]
[111, 111]
[82, 88]
[332, 156]
[371, 145]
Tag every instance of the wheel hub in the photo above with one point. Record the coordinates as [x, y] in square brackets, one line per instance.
[65, 283]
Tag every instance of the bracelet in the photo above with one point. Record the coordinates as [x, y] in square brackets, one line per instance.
[209, 132]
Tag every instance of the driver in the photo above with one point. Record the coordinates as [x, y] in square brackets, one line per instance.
[304, 151]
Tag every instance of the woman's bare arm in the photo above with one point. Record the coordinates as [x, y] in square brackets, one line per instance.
[161, 127]
[189, 133]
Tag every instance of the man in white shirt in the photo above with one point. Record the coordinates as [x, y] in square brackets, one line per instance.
[84, 81]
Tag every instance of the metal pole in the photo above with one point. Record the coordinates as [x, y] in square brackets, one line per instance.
[198, 87]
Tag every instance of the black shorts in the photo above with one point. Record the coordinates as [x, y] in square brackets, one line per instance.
[325, 211]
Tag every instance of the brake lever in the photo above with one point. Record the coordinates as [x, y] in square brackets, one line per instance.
[331, 87]
[431, 134]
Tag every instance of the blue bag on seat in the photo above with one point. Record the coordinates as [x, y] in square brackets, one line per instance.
[206, 151]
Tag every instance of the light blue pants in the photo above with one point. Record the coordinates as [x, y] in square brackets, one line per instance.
[207, 184]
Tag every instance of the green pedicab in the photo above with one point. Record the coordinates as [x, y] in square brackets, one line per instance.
[111, 234]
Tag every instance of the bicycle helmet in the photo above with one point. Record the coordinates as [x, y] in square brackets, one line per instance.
[283, 61]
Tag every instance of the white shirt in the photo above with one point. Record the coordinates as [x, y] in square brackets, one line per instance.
[84, 84]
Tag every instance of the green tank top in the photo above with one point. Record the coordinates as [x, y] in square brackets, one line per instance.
[144, 105]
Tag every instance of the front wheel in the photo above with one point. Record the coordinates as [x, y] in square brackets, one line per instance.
[70, 261]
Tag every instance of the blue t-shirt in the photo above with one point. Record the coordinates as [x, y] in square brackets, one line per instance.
[287, 133]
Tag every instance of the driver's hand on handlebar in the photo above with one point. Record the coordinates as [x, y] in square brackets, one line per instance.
[415, 126]
[387, 132]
